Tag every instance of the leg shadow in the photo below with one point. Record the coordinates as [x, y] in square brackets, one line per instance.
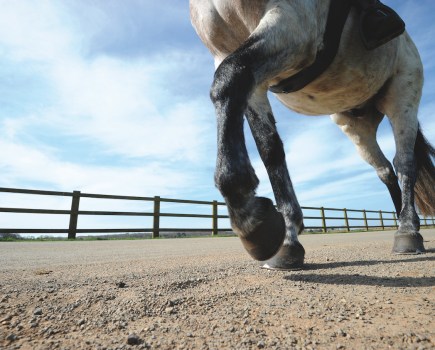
[363, 279]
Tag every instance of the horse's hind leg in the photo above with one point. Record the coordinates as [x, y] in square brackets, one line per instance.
[407, 239]
[400, 104]
[270, 147]
[361, 130]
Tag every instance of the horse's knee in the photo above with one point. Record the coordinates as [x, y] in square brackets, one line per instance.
[236, 182]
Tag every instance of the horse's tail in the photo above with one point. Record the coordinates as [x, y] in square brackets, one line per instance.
[425, 186]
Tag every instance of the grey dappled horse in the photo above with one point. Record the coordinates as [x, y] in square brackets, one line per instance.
[257, 44]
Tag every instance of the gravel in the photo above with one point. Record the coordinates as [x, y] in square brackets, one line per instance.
[207, 294]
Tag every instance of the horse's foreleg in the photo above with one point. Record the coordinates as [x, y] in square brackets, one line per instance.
[270, 147]
[268, 51]
[259, 225]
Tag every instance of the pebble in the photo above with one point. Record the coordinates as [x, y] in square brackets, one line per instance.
[133, 339]
[243, 308]
[121, 284]
[11, 337]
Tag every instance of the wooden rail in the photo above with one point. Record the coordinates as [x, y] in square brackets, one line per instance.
[326, 221]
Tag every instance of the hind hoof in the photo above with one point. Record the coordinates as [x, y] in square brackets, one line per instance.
[290, 257]
[406, 243]
[265, 239]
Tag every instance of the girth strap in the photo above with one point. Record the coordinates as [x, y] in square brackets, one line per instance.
[337, 16]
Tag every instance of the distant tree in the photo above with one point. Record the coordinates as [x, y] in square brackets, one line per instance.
[4, 236]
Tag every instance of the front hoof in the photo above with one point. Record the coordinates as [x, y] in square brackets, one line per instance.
[406, 243]
[264, 240]
[290, 257]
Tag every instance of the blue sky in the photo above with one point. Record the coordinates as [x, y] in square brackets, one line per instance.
[111, 97]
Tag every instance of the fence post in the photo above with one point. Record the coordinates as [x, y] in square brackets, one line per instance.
[74, 215]
[365, 220]
[156, 219]
[381, 219]
[346, 220]
[394, 218]
[215, 218]
[322, 212]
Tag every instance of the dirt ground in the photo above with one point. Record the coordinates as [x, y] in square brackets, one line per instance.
[206, 293]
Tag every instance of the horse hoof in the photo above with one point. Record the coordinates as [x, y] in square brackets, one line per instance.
[406, 243]
[266, 238]
[290, 257]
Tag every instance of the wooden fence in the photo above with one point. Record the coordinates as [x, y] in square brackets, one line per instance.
[326, 220]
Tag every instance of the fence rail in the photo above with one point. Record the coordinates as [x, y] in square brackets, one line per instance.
[327, 220]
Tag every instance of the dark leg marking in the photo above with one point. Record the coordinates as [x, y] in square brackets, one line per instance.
[259, 225]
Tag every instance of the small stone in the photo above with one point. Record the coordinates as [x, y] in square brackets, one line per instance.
[133, 339]
[261, 344]
[121, 284]
[5, 319]
[38, 311]
[11, 337]
[169, 310]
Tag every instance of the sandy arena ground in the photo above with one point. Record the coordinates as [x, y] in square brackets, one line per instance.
[206, 293]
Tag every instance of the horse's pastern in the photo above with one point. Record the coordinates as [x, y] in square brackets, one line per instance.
[290, 257]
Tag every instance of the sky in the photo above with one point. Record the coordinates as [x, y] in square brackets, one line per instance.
[112, 97]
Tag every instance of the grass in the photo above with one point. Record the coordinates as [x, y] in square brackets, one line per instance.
[130, 237]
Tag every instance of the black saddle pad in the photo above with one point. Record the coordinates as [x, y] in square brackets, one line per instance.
[379, 24]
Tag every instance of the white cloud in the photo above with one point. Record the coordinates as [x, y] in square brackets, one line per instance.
[148, 113]
[129, 108]
[123, 107]
[36, 31]
[21, 163]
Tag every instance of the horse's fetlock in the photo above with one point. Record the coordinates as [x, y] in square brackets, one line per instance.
[409, 220]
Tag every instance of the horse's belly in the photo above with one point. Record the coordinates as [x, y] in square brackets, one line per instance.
[322, 103]
[344, 86]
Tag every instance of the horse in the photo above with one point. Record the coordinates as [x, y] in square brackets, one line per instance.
[258, 44]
